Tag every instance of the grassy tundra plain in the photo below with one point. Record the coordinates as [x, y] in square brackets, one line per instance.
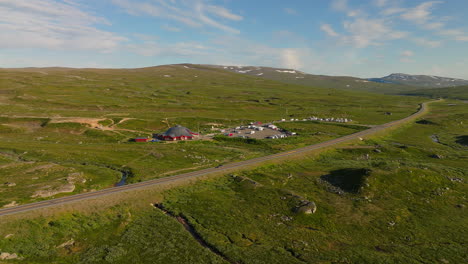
[66, 131]
[397, 204]
[396, 198]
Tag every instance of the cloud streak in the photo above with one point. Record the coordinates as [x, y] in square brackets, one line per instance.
[54, 25]
[327, 28]
[195, 14]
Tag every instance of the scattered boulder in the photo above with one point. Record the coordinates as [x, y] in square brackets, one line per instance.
[461, 206]
[10, 184]
[8, 236]
[67, 244]
[306, 207]
[248, 181]
[455, 179]
[377, 150]
[435, 138]
[12, 204]
[437, 156]
[7, 256]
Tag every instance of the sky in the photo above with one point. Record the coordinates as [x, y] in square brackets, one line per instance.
[362, 38]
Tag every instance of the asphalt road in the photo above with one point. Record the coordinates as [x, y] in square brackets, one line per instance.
[197, 174]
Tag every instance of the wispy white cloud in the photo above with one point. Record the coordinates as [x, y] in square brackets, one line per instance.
[380, 3]
[388, 11]
[327, 28]
[343, 6]
[199, 13]
[361, 29]
[340, 5]
[456, 34]
[171, 28]
[222, 12]
[407, 53]
[290, 11]
[51, 24]
[162, 49]
[420, 14]
[370, 32]
[427, 43]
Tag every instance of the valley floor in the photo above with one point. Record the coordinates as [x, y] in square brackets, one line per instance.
[396, 198]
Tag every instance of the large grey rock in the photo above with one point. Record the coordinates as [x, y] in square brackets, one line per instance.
[307, 207]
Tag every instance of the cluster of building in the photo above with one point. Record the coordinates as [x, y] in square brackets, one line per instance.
[277, 136]
[314, 118]
[172, 134]
[257, 130]
[331, 119]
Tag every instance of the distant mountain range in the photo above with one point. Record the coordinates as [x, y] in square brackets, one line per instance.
[427, 81]
[396, 83]
[323, 81]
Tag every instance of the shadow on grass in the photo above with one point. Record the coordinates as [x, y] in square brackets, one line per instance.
[425, 122]
[462, 140]
[349, 180]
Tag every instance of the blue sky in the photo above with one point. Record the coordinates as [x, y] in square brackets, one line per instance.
[364, 38]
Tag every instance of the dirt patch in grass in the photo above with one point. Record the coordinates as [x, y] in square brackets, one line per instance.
[92, 122]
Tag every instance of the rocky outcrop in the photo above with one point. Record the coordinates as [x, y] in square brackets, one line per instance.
[67, 188]
[12, 204]
[306, 207]
[76, 177]
[7, 256]
[67, 244]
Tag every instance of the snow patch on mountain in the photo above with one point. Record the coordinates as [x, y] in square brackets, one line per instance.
[287, 71]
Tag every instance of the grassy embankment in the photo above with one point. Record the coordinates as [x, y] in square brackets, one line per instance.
[384, 200]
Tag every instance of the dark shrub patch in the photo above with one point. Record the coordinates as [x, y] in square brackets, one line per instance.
[349, 180]
[462, 140]
[425, 122]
